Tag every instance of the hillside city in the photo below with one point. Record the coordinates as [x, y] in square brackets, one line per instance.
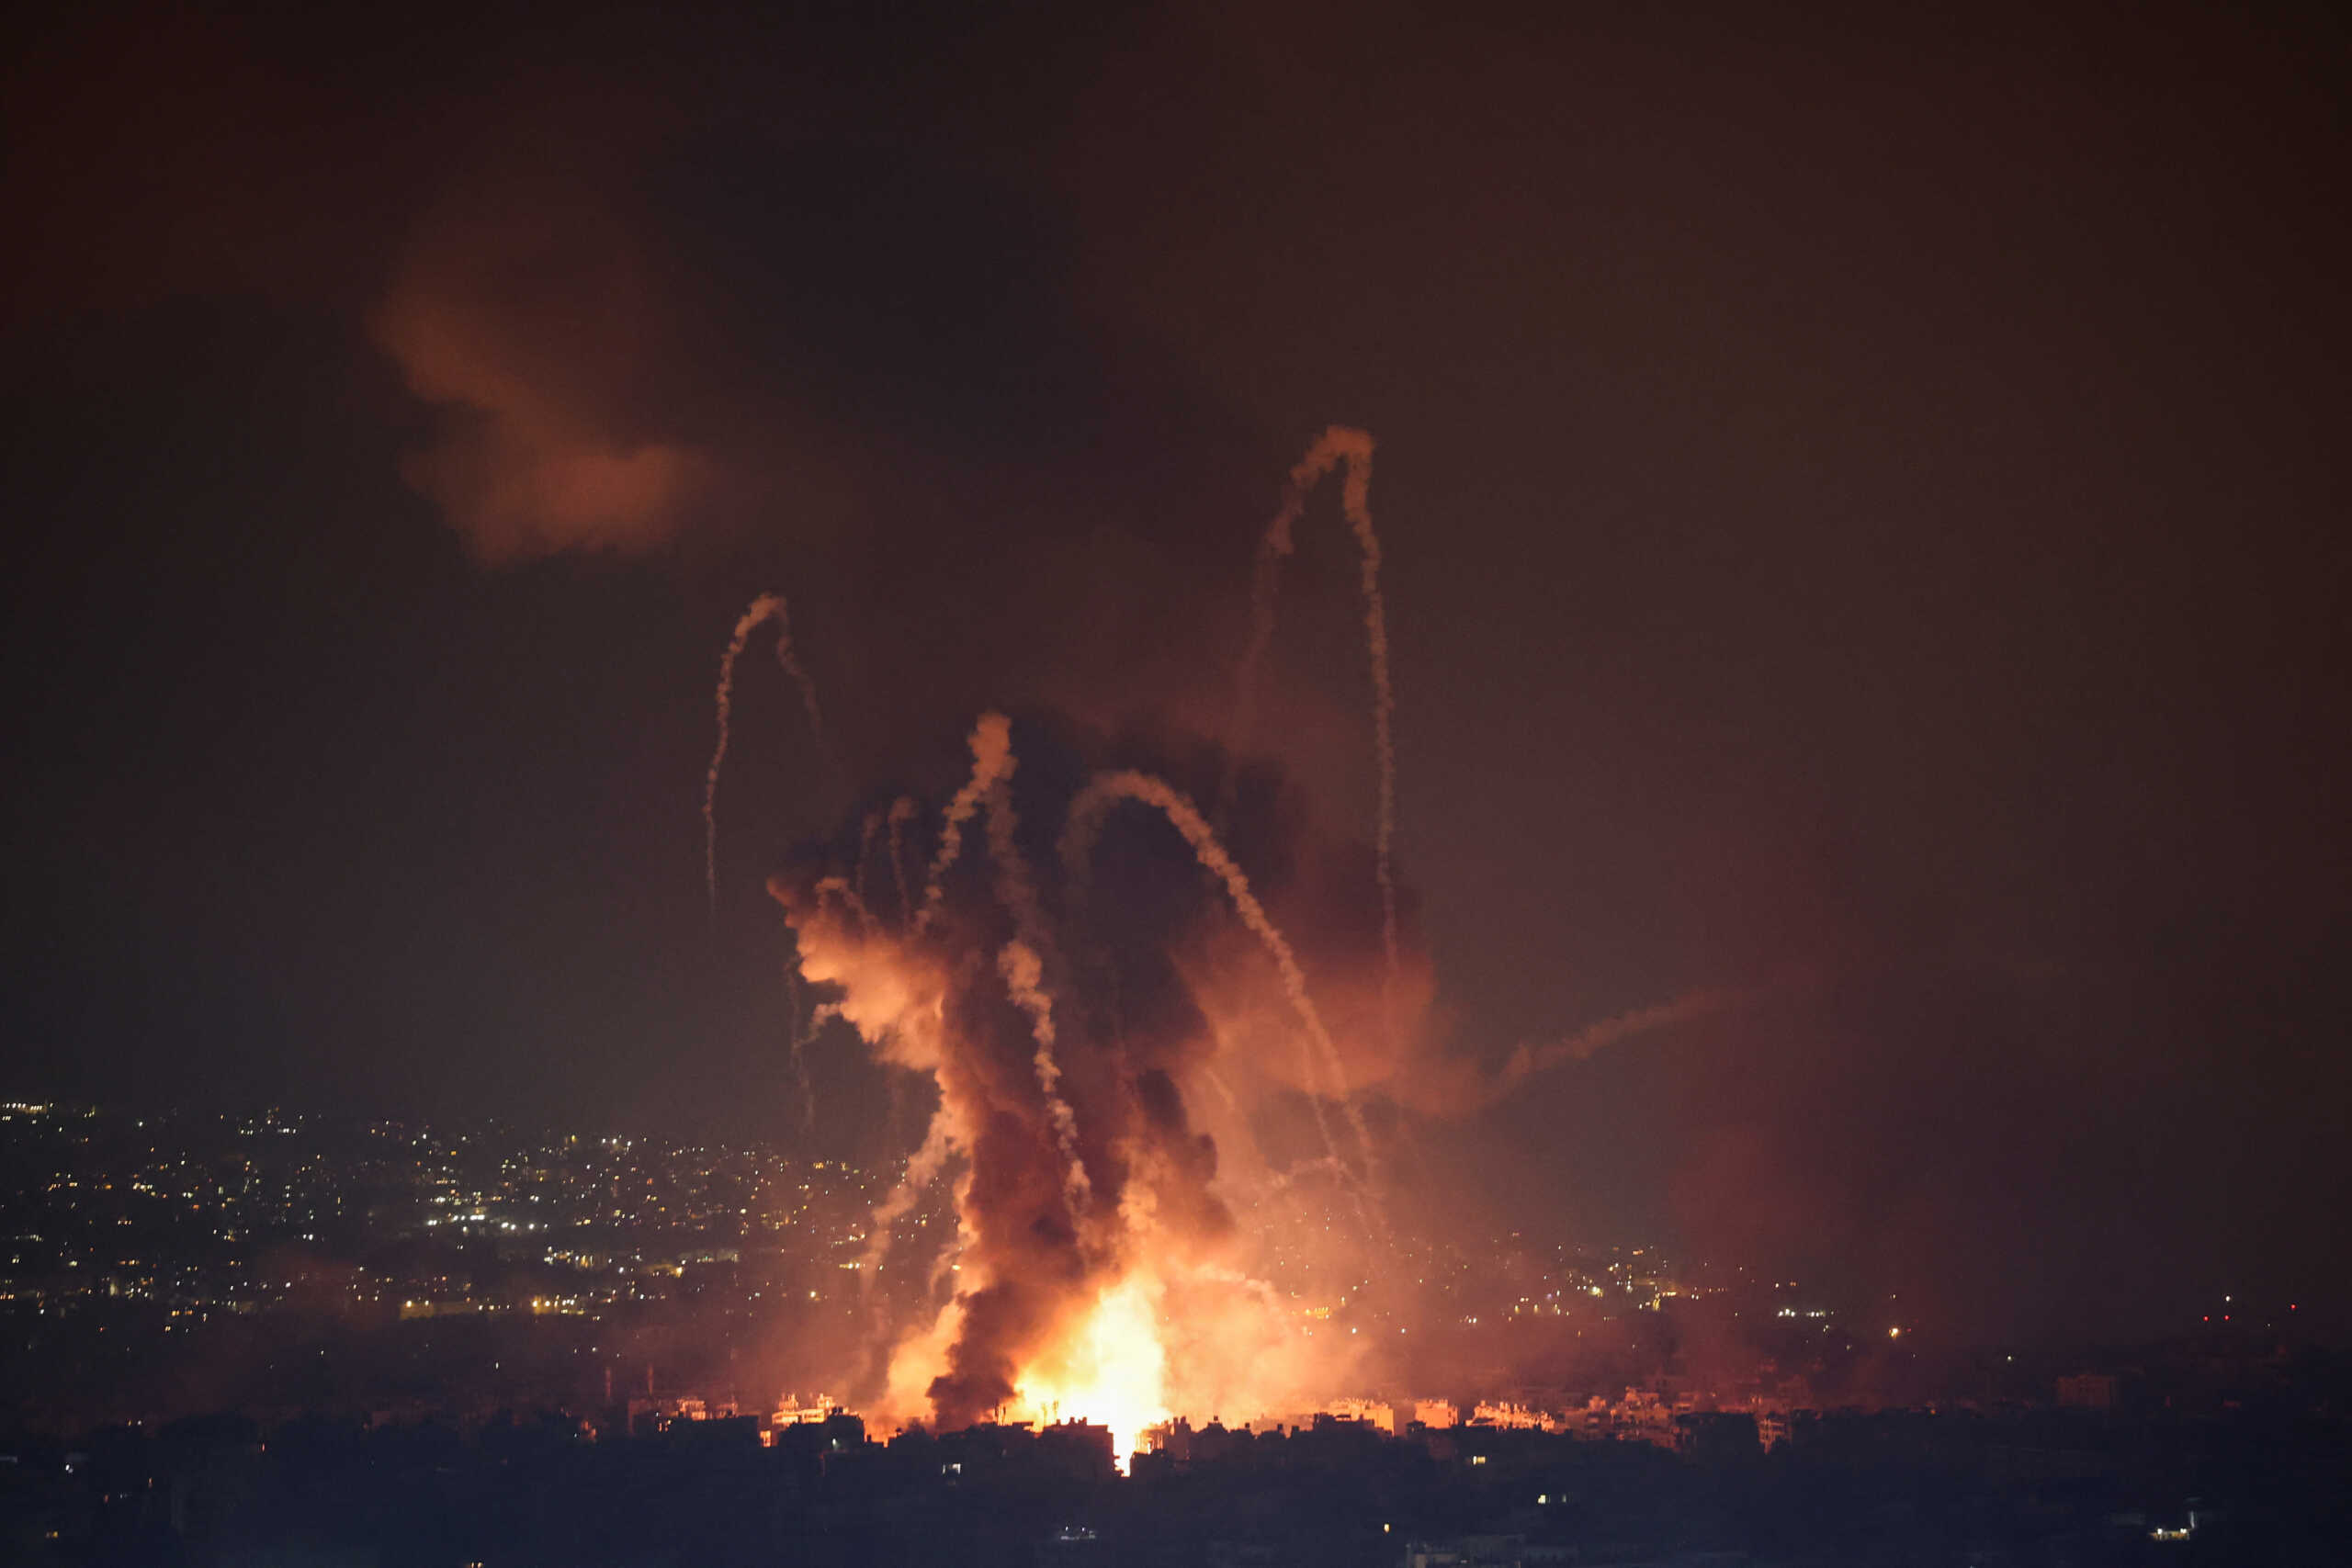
[215, 1324]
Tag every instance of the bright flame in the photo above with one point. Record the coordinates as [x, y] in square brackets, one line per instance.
[1112, 1369]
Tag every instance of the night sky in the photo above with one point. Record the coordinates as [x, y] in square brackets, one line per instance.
[1865, 527]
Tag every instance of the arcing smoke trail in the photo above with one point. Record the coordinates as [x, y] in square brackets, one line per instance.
[767, 606]
[1337, 444]
[790, 663]
[1082, 828]
[991, 742]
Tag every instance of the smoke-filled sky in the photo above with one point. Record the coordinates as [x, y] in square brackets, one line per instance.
[1862, 503]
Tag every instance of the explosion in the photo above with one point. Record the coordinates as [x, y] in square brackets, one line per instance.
[1085, 991]
[1100, 1271]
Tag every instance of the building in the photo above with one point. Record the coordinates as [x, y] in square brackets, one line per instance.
[2088, 1391]
[1365, 1412]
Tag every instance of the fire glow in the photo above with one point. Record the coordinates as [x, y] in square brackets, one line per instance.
[1111, 1370]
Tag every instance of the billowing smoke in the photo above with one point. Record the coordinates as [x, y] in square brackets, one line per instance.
[1049, 986]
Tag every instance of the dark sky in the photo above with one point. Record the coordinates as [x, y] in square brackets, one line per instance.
[1864, 502]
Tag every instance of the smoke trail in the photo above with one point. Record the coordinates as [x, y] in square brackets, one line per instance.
[800, 1062]
[1337, 444]
[991, 743]
[1714, 1002]
[1283, 1180]
[902, 811]
[767, 606]
[938, 1144]
[1083, 827]
[865, 835]
[801, 1040]
[1015, 888]
[950, 1259]
[1022, 960]
[1022, 973]
[790, 663]
[839, 888]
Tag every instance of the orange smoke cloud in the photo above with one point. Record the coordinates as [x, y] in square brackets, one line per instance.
[523, 311]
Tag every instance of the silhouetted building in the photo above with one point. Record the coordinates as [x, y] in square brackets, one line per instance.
[2088, 1391]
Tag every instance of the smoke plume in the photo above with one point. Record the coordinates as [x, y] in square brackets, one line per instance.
[1099, 1269]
